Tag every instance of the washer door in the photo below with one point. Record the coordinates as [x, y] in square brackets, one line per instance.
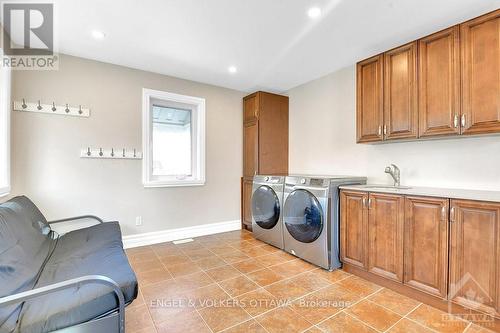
[303, 216]
[265, 207]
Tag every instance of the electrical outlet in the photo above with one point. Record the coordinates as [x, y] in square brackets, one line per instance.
[138, 221]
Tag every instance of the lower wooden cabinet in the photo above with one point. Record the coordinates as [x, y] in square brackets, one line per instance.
[353, 226]
[475, 255]
[445, 248]
[385, 235]
[426, 244]
[246, 203]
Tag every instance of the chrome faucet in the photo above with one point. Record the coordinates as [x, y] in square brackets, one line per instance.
[395, 173]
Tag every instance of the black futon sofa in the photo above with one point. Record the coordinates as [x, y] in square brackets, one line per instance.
[78, 282]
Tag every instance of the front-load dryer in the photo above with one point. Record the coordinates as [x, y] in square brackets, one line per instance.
[311, 218]
[267, 206]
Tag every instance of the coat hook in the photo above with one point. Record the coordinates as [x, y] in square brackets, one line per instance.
[54, 107]
[24, 106]
[89, 152]
[100, 152]
[67, 108]
[39, 107]
[112, 152]
[80, 111]
[123, 152]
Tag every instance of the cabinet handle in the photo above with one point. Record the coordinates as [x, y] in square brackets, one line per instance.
[452, 214]
[443, 213]
[385, 129]
[370, 203]
[463, 120]
[379, 130]
[455, 121]
[364, 203]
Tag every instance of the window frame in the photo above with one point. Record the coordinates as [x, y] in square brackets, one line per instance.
[5, 119]
[197, 145]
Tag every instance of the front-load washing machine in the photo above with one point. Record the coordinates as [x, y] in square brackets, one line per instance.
[267, 204]
[311, 218]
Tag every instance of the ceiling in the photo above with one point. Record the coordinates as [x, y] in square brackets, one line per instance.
[273, 43]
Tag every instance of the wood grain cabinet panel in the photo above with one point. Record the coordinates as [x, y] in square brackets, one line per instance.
[400, 93]
[247, 202]
[251, 149]
[385, 235]
[369, 103]
[250, 108]
[480, 40]
[353, 226]
[426, 244]
[475, 255]
[439, 83]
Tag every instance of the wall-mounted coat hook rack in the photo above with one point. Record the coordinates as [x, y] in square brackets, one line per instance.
[52, 108]
[110, 153]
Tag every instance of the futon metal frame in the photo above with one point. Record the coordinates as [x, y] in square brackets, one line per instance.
[111, 322]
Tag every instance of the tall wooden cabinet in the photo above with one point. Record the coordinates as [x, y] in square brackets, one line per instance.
[265, 143]
[444, 84]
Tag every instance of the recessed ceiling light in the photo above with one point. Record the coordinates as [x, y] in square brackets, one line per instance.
[314, 12]
[232, 69]
[98, 34]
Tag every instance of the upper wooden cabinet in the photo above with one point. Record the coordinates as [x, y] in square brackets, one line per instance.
[475, 255]
[370, 99]
[447, 83]
[480, 40]
[400, 93]
[265, 134]
[439, 83]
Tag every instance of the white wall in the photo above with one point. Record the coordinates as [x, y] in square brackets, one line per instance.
[46, 149]
[323, 141]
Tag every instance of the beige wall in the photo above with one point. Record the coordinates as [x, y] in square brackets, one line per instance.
[45, 149]
[323, 134]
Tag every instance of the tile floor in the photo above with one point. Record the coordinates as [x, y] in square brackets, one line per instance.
[232, 282]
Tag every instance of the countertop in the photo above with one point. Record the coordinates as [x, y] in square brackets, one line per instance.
[452, 193]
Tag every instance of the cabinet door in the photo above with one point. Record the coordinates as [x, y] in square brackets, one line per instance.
[426, 244]
[385, 235]
[250, 149]
[353, 226]
[480, 39]
[475, 255]
[369, 100]
[439, 83]
[251, 108]
[247, 202]
[400, 92]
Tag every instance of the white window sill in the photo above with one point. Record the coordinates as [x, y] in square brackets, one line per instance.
[173, 184]
[4, 191]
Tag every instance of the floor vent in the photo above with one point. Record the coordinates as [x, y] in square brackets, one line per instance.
[183, 241]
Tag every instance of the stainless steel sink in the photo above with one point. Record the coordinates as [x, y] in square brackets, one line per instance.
[389, 187]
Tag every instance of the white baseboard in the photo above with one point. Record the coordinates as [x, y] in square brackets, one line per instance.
[179, 233]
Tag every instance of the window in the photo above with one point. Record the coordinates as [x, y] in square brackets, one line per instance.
[4, 130]
[173, 139]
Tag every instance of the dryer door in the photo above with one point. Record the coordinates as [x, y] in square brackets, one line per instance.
[265, 207]
[303, 216]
